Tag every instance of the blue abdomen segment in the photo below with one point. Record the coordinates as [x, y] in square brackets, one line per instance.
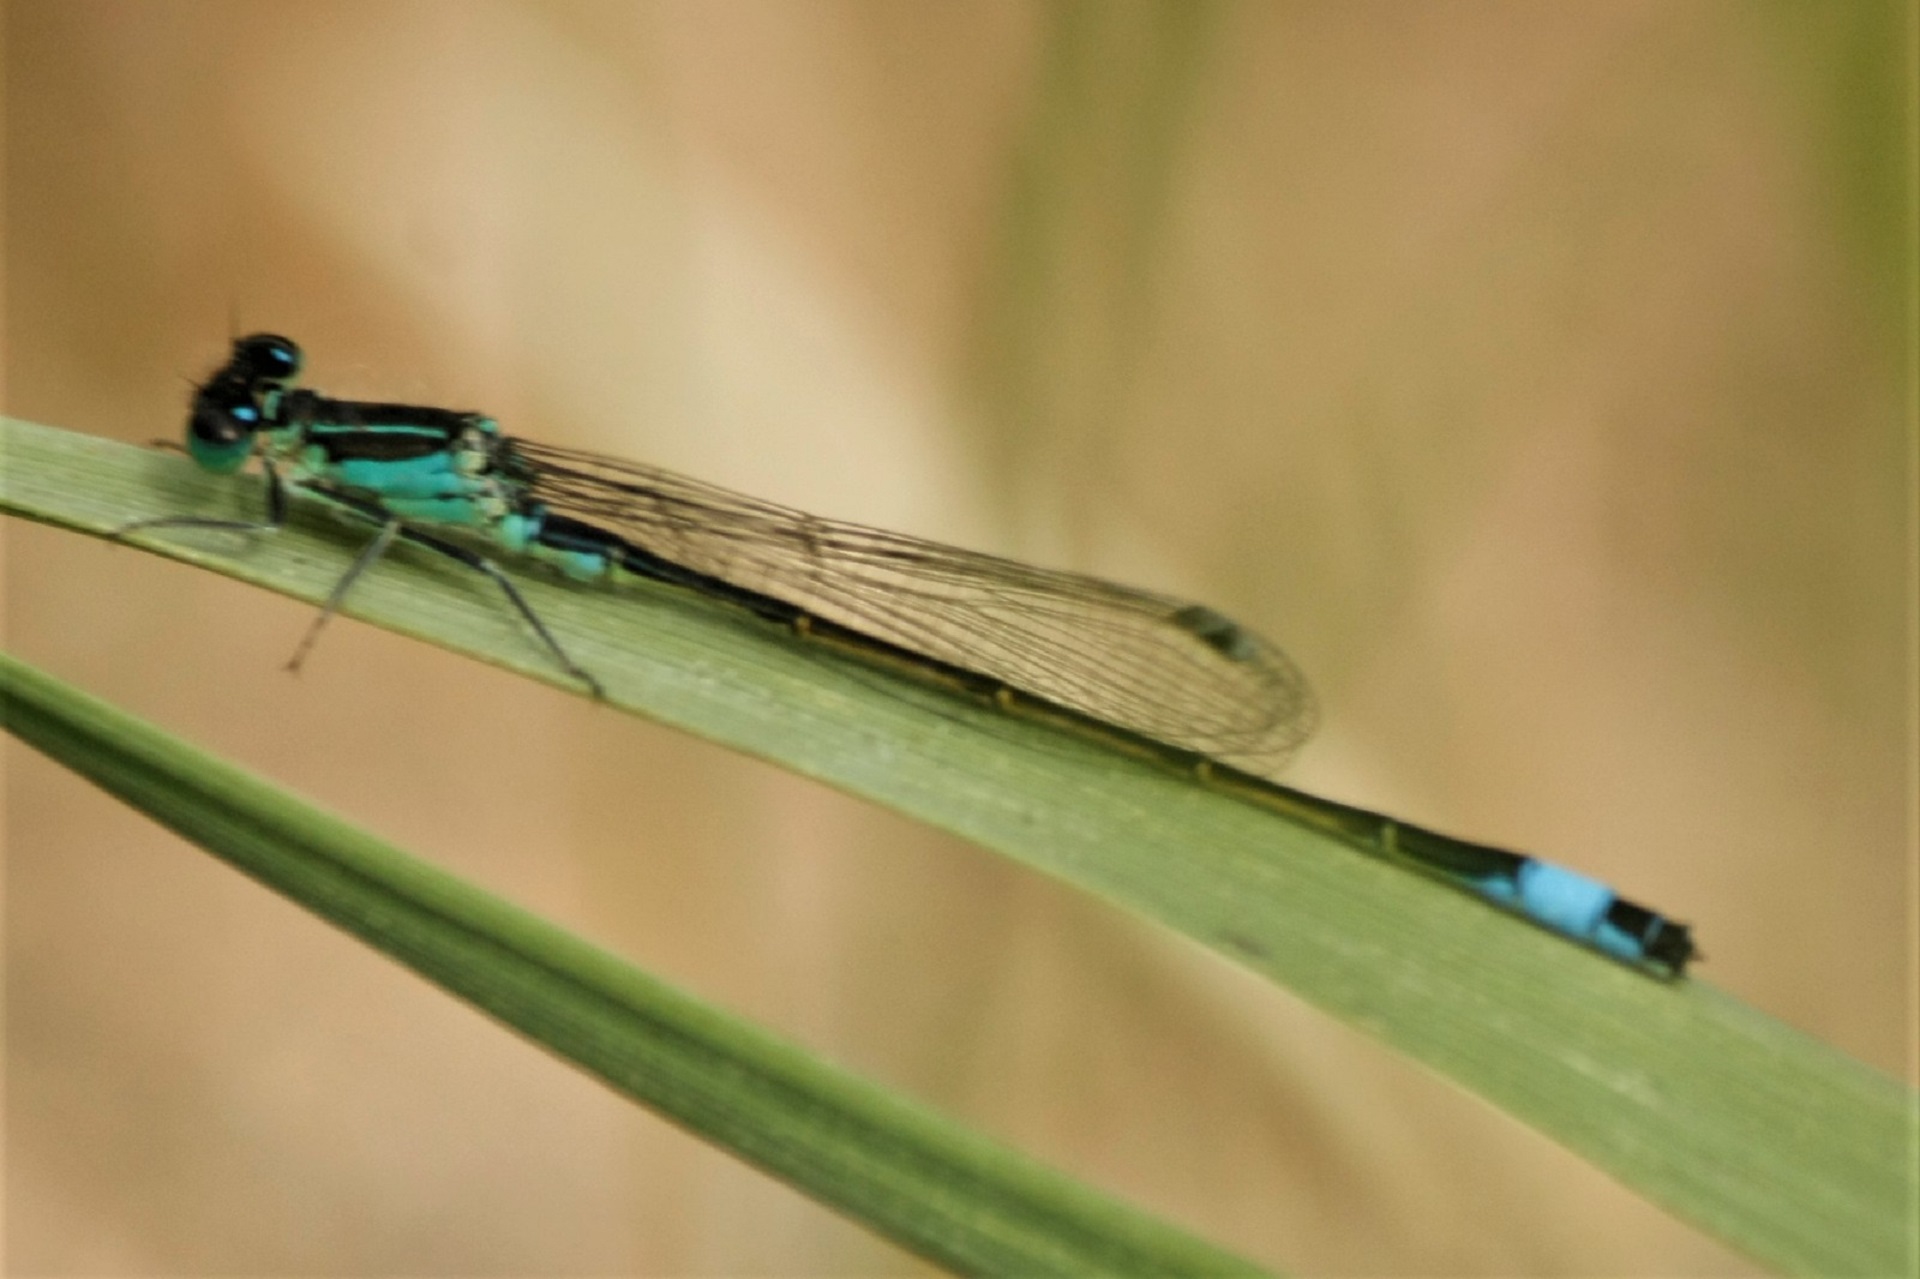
[1587, 910]
[1563, 900]
[1559, 898]
[1554, 897]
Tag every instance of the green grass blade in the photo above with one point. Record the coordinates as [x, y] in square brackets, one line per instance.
[1772, 1142]
[932, 1187]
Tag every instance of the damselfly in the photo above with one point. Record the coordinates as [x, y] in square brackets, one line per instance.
[1160, 676]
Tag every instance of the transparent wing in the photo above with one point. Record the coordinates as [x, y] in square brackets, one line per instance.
[1173, 671]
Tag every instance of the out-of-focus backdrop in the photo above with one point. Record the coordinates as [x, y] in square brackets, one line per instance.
[1533, 373]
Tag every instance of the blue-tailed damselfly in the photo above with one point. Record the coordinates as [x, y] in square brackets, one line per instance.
[1159, 676]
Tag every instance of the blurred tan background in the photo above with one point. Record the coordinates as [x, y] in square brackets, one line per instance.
[1533, 373]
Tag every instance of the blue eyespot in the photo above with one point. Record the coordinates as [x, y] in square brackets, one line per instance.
[265, 357]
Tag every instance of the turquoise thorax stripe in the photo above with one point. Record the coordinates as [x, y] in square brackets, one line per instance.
[432, 476]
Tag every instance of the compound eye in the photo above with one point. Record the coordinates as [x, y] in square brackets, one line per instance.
[220, 435]
[266, 357]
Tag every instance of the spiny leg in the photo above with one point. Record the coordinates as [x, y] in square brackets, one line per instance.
[366, 560]
[459, 554]
[482, 564]
[275, 521]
